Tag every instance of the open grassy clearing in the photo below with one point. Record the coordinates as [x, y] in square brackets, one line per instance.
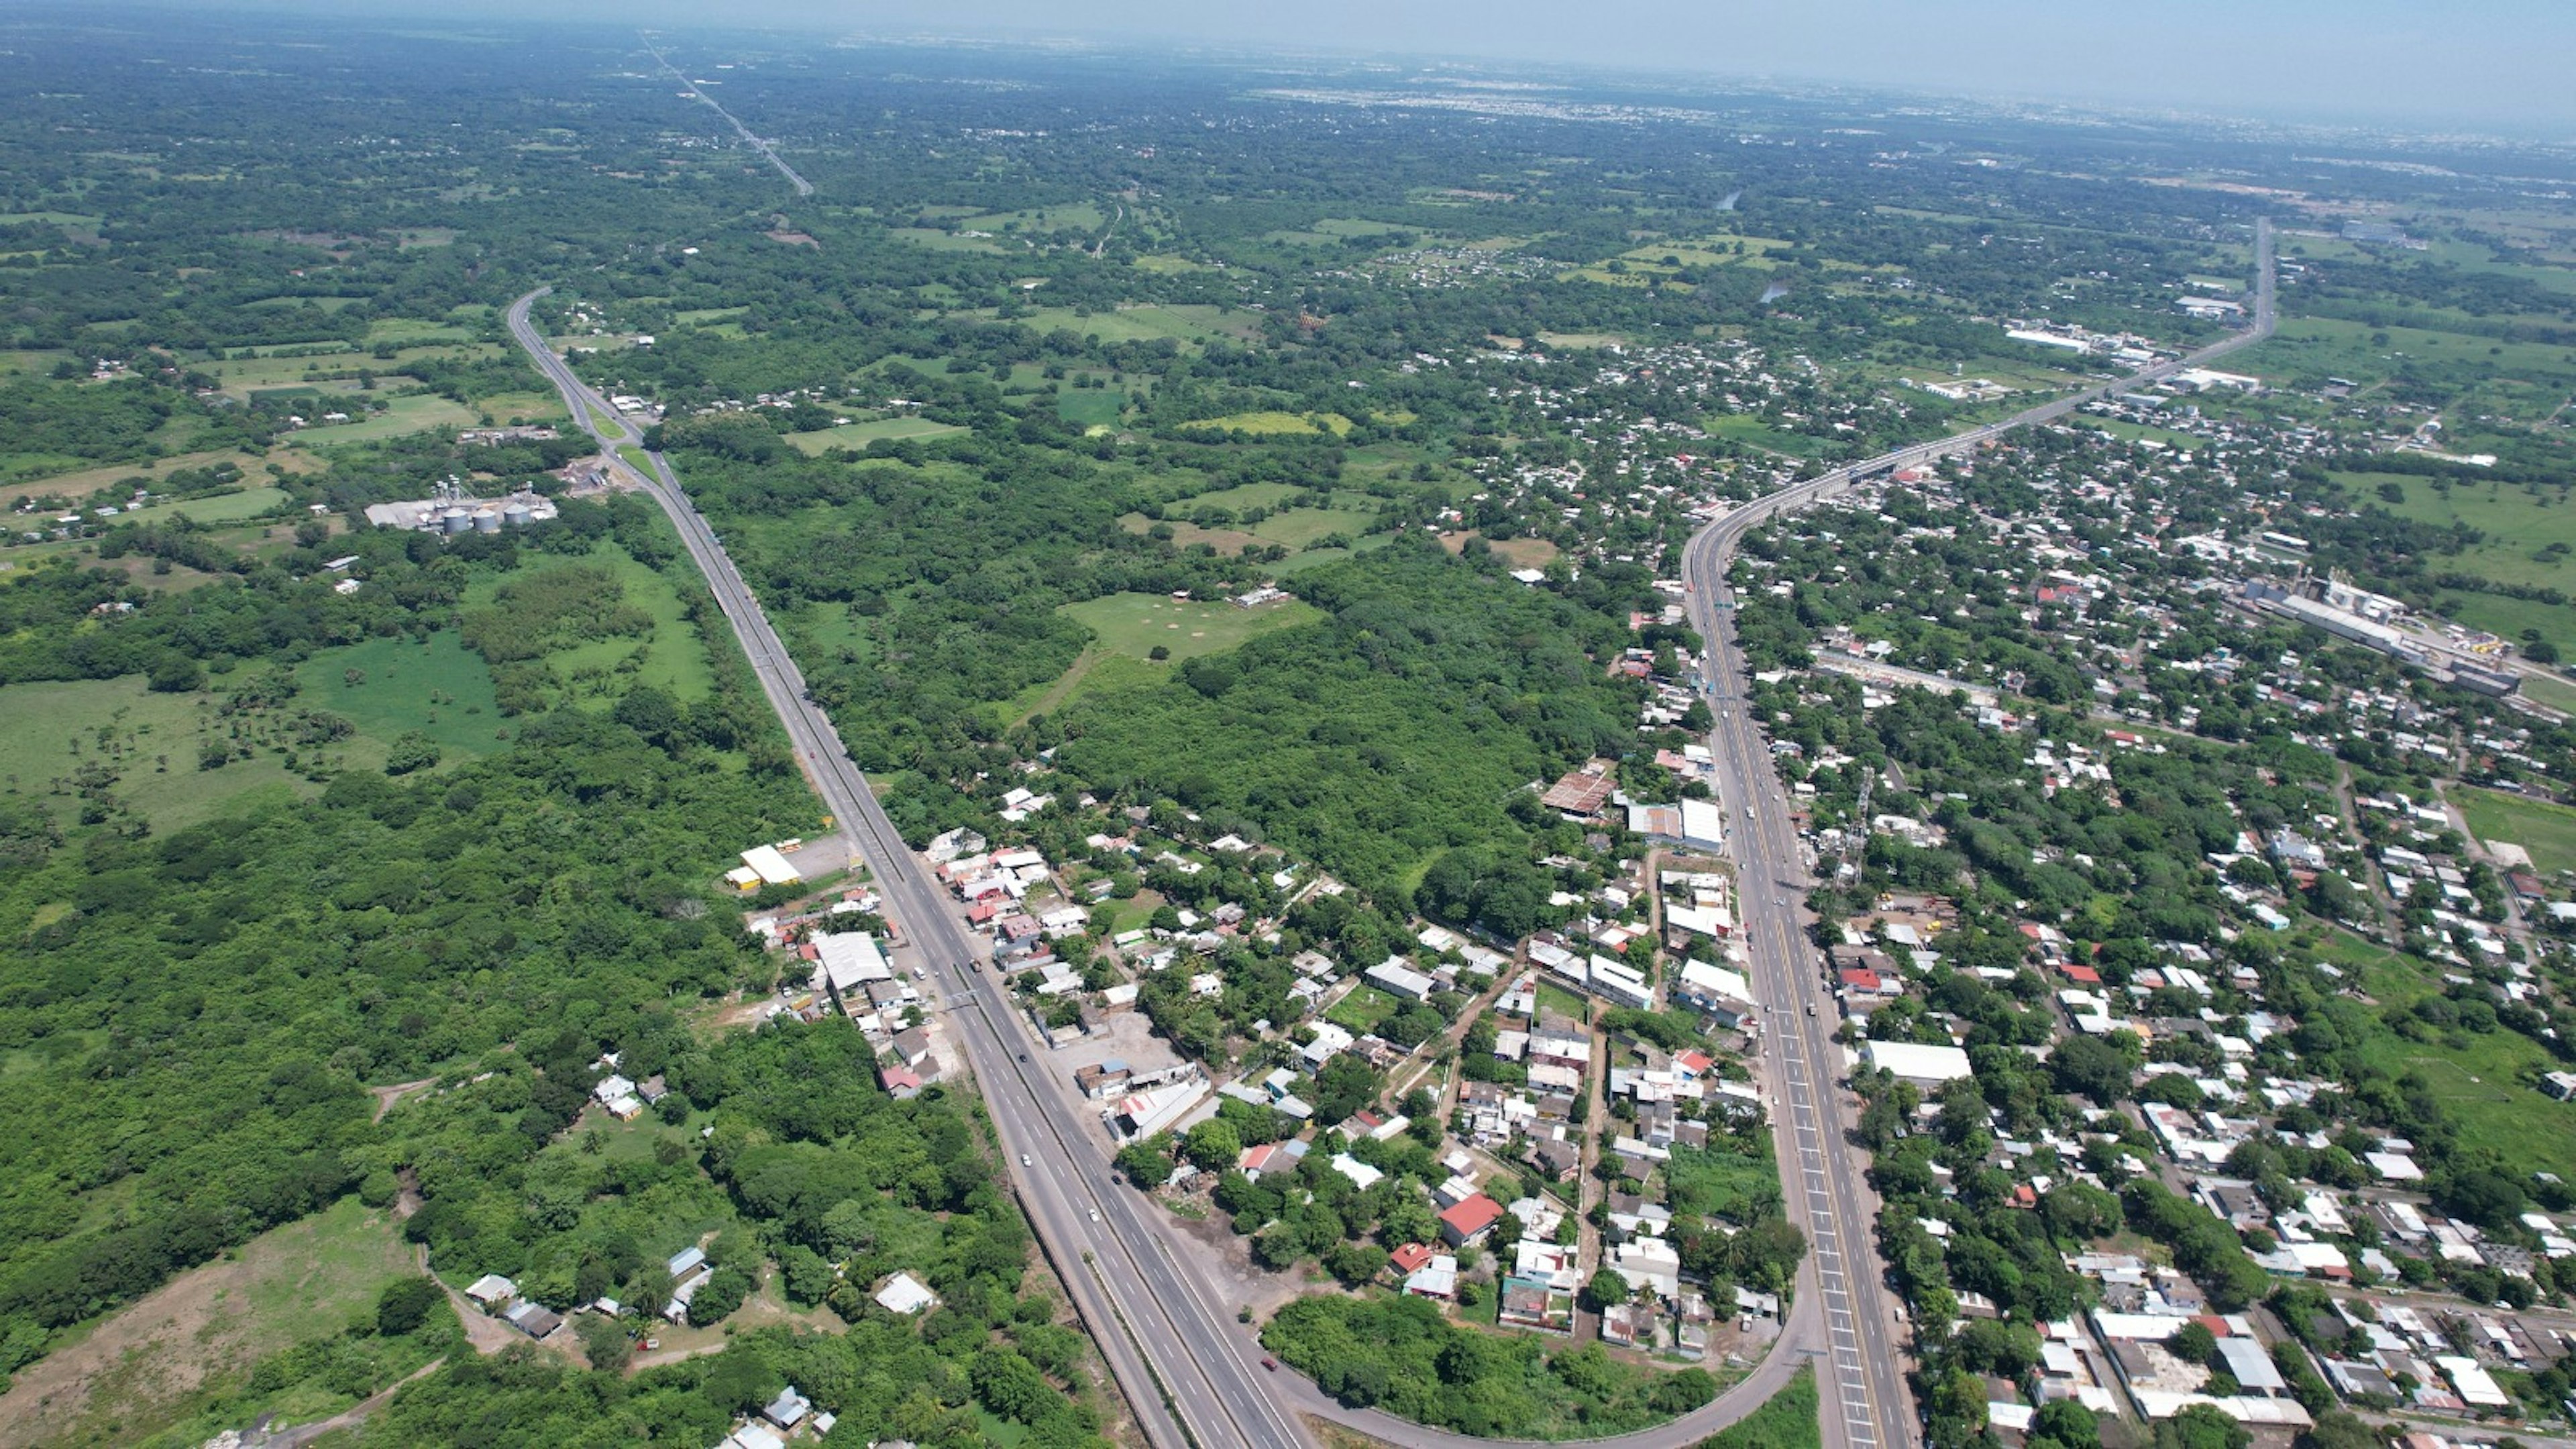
[1079, 215]
[1786, 1420]
[1313, 558]
[859, 435]
[2520, 533]
[1299, 527]
[1248, 495]
[1360, 1012]
[2142, 432]
[2551, 690]
[933, 239]
[223, 507]
[2486, 1081]
[1263, 424]
[1136, 624]
[388, 687]
[2548, 831]
[1092, 407]
[402, 416]
[673, 658]
[1189, 324]
[52, 728]
[2313, 348]
[157, 1363]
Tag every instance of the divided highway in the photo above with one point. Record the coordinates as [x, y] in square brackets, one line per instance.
[803, 187]
[1191, 1372]
[1823, 1173]
[1178, 1352]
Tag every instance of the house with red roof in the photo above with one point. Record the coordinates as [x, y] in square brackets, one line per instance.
[1469, 1220]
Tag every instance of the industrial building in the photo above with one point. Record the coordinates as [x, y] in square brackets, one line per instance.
[452, 511]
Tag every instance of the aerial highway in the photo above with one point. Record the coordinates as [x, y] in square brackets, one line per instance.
[1196, 1378]
[1823, 1173]
[757, 143]
[1176, 1350]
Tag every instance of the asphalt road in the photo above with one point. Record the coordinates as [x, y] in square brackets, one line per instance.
[1192, 1373]
[1824, 1174]
[803, 187]
[1162, 1333]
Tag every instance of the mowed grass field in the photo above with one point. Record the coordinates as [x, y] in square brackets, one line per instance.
[2548, 831]
[1136, 624]
[221, 507]
[152, 1366]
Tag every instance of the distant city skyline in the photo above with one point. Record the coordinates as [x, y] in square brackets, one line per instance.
[2495, 65]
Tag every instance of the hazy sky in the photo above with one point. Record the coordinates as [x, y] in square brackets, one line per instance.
[2499, 63]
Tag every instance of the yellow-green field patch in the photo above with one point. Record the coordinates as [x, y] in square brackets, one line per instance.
[1273, 422]
[859, 435]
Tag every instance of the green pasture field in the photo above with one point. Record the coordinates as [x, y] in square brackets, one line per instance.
[859, 435]
[132, 729]
[1313, 558]
[1189, 324]
[531, 407]
[2551, 690]
[2483, 1082]
[2548, 831]
[1093, 408]
[1299, 527]
[1079, 216]
[2314, 348]
[1334, 230]
[2518, 528]
[436, 686]
[221, 507]
[933, 239]
[1750, 430]
[1135, 624]
[1249, 495]
[675, 659]
[402, 416]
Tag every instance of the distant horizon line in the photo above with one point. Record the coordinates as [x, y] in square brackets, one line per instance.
[2284, 120]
